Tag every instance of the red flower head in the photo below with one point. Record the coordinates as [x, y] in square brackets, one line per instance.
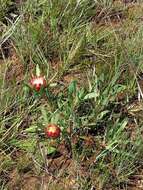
[52, 131]
[38, 82]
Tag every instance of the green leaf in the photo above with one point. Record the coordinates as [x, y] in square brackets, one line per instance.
[102, 114]
[91, 95]
[38, 72]
[44, 114]
[31, 129]
[53, 84]
[51, 150]
[55, 117]
[72, 87]
[81, 94]
[27, 145]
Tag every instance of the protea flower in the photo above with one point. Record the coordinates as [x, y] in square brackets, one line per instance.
[38, 82]
[52, 131]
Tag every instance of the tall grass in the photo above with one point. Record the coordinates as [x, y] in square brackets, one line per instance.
[66, 34]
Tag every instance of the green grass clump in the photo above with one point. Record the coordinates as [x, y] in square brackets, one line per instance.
[90, 53]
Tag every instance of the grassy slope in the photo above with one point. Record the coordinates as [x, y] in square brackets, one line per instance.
[99, 45]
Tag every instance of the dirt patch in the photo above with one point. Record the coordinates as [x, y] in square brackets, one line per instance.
[15, 69]
[5, 50]
[76, 76]
[104, 17]
[25, 182]
[129, 1]
[59, 172]
[136, 181]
